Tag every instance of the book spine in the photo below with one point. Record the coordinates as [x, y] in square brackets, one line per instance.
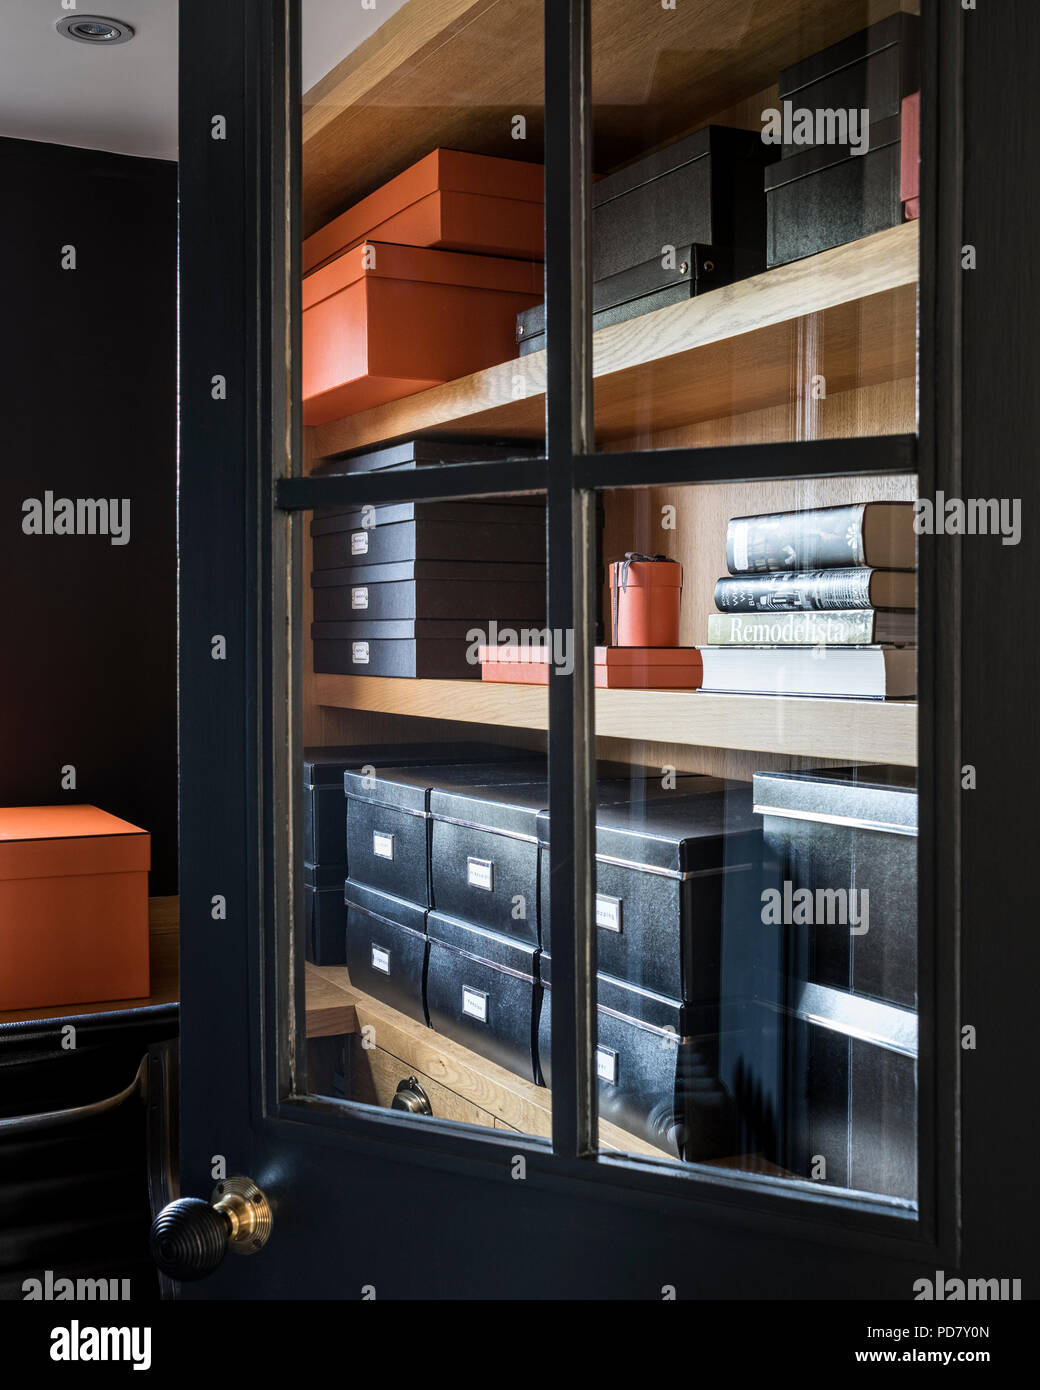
[791, 629]
[792, 590]
[822, 538]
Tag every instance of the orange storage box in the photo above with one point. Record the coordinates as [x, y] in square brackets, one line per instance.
[645, 592]
[450, 200]
[73, 907]
[382, 321]
[615, 668]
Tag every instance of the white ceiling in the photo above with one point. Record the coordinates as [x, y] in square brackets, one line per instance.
[124, 98]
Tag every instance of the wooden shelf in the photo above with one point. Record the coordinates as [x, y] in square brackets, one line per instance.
[849, 315]
[870, 731]
[454, 73]
[488, 1093]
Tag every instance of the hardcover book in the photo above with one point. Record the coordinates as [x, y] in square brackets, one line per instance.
[853, 627]
[877, 535]
[818, 590]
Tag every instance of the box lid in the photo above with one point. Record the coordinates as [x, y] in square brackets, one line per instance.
[711, 140]
[325, 766]
[641, 1006]
[325, 876]
[900, 27]
[439, 171]
[382, 260]
[409, 788]
[58, 841]
[332, 520]
[877, 798]
[504, 952]
[427, 453]
[646, 574]
[815, 158]
[695, 826]
[400, 911]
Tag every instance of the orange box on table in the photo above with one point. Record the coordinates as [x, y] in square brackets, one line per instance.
[383, 321]
[614, 668]
[73, 907]
[451, 200]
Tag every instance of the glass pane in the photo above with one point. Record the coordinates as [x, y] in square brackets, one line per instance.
[755, 233]
[756, 877]
[422, 783]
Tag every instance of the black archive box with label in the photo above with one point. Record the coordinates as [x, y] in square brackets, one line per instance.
[386, 948]
[428, 590]
[668, 867]
[428, 453]
[388, 817]
[481, 991]
[323, 913]
[846, 980]
[655, 1080]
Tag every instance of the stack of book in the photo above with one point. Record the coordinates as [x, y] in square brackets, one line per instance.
[817, 602]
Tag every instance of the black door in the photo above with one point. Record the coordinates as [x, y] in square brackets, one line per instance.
[740, 1106]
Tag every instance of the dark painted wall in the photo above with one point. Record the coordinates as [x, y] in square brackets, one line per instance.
[88, 372]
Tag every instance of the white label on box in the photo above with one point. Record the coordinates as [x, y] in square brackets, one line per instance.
[474, 1003]
[359, 597]
[359, 653]
[606, 1064]
[608, 912]
[359, 542]
[480, 873]
[382, 844]
[381, 960]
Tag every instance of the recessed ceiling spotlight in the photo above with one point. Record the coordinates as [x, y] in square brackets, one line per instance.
[94, 28]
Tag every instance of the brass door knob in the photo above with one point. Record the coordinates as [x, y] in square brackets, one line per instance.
[190, 1237]
[410, 1096]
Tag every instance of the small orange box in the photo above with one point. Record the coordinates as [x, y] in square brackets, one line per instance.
[73, 907]
[383, 321]
[450, 200]
[645, 591]
[615, 668]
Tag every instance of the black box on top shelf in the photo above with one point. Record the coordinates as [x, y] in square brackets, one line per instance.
[705, 188]
[657, 1080]
[870, 71]
[388, 815]
[430, 453]
[386, 948]
[669, 870]
[429, 589]
[691, 270]
[481, 991]
[844, 986]
[824, 197]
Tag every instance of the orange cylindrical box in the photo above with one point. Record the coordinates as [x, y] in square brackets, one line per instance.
[644, 601]
[384, 321]
[73, 907]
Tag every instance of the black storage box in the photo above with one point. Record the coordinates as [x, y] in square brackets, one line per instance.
[386, 948]
[481, 992]
[418, 658]
[669, 869]
[655, 1081]
[428, 589]
[484, 846]
[435, 531]
[824, 197]
[324, 916]
[694, 269]
[871, 71]
[429, 453]
[388, 812]
[324, 797]
[705, 188]
[848, 995]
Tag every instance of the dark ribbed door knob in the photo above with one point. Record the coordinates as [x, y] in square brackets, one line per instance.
[190, 1237]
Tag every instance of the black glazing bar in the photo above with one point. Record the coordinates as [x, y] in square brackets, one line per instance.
[732, 463]
[447, 481]
[569, 433]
